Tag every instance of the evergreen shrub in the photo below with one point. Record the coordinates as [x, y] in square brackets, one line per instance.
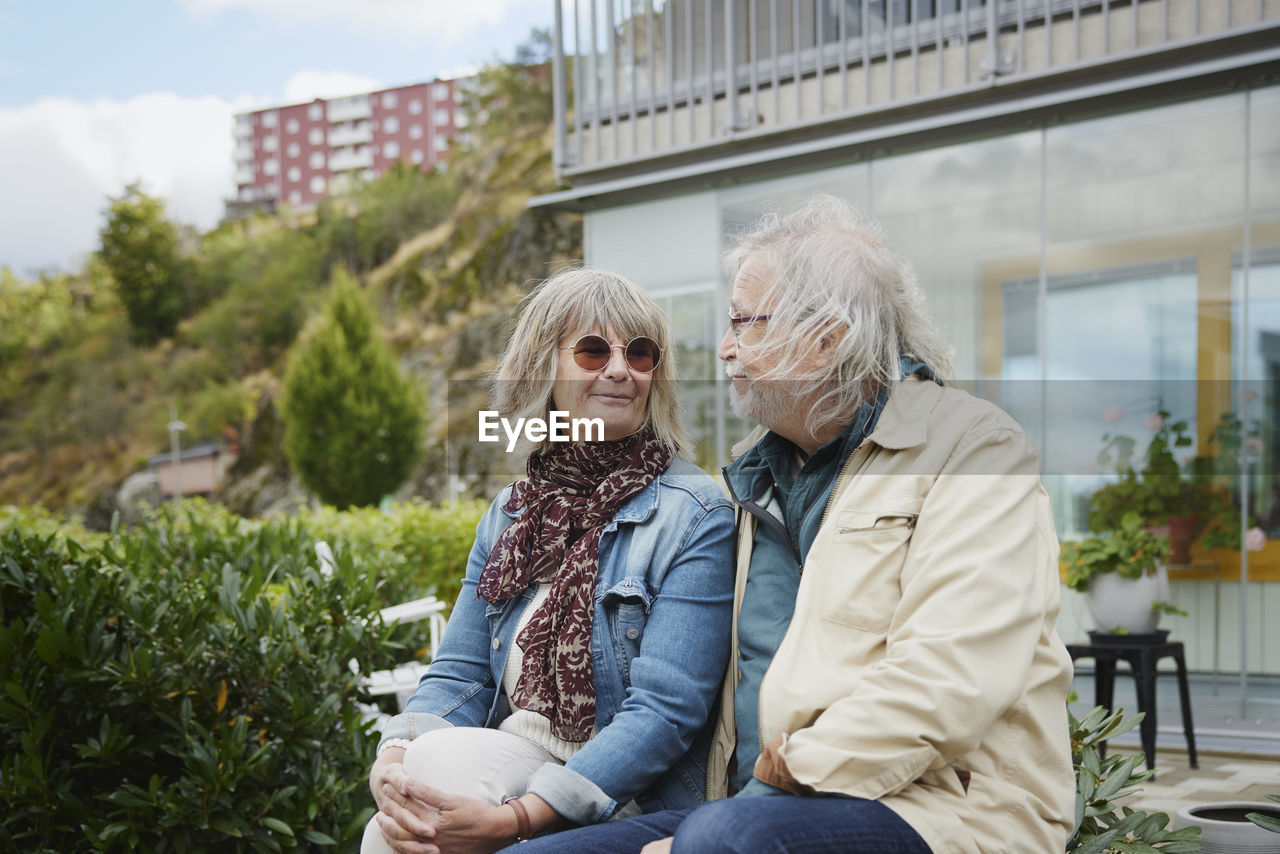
[186, 686]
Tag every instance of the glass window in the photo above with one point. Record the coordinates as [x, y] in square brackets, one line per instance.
[291, 126]
[441, 117]
[391, 150]
[317, 184]
[416, 156]
[317, 160]
[390, 124]
[389, 100]
[295, 197]
[415, 107]
[315, 136]
[270, 166]
[440, 92]
[440, 143]
[270, 143]
[294, 174]
[415, 131]
[315, 111]
[292, 149]
[269, 119]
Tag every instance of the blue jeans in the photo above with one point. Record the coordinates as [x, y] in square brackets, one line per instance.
[776, 825]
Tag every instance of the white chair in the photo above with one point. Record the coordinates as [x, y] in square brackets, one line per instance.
[402, 680]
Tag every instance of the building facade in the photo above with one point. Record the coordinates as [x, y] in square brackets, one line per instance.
[1089, 191]
[300, 153]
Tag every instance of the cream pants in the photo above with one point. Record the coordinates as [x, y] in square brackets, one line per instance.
[485, 764]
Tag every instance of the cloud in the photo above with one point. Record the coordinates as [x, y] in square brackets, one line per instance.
[60, 160]
[444, 21]
[309, 85]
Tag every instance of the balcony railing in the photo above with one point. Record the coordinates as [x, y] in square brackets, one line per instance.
[244, 175]
[639, 79]
[349, 109]
[357, 134]
[350, 158]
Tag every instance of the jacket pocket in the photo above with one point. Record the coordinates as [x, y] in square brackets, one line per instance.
[626, 607]
[861, 586]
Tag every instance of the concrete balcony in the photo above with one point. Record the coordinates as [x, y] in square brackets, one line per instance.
[360, 133]
[347, 159]
[349, 109]
[243, 129]
[244, 175]
[685, 80]
[244, 152]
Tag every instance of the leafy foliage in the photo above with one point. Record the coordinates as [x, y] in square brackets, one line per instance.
[184, 687]
[1129, 550]
[1266, 822]
[1102, 825]
[140, 247]
[353, 421]
[508, 95]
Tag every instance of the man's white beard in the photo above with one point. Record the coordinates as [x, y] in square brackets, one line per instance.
[764, 402]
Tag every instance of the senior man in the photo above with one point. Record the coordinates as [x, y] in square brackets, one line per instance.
[896, 685]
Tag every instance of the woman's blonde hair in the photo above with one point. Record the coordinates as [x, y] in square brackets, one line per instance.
[579, 301]
[839, 298]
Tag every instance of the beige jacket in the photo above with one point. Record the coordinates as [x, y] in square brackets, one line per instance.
[921, 666]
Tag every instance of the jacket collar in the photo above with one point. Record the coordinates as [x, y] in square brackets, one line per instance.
[904, 422]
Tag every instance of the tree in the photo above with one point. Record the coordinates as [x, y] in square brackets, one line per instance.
[353, 421]
[508, 95]
[140, 248]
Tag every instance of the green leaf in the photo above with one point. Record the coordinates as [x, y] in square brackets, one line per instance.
[318, 838]
[277, 825]
[226, 826]
[1266, 822]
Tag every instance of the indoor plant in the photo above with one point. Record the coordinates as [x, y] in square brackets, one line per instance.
[1122, 576]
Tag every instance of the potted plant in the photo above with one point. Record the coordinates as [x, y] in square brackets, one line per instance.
[1122, 577]
[1184, 502]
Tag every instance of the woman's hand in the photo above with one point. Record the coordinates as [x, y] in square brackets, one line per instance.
[418, 819]
[659, 846]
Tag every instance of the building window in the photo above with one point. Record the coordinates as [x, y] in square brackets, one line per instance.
[416, 156]
[315, 111]
[368, 174]
[415, 131]
[442, 117]
[291, 126]
[415, 106]
[270, 166]
[440, 91]
[389, 100]
[292, 149]
[295, 197]
[294, 174]
[391, 150]
[269, 119]
[270, 143]
[317, 184]
[317, 160]
[390, 124]
[441, 143]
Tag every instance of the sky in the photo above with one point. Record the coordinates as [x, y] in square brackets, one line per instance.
[95, 95]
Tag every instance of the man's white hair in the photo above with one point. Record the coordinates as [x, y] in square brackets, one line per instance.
[841, 300]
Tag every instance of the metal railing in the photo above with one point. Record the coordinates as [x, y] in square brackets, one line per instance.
[636, 79]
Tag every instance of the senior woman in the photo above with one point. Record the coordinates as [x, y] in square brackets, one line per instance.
[581, 661]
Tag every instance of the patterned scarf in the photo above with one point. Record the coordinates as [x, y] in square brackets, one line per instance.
[572, 493]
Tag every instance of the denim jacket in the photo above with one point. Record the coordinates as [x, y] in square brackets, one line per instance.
[659, 647]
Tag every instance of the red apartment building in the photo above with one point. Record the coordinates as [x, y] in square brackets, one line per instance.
[302, 152]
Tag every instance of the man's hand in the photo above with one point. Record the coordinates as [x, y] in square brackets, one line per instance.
[660, 846]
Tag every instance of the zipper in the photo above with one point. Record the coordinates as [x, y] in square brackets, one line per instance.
[765, 517]
[826, 511]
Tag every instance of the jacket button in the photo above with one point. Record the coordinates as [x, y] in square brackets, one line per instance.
[497, 643]
[633, 633]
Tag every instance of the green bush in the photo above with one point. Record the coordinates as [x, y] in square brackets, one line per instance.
[353, 419]
[185, 686]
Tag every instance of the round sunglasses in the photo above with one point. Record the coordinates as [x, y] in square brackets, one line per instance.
[592, 353]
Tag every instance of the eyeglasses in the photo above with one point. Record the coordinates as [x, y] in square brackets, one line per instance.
[735, 322]
[592, 353]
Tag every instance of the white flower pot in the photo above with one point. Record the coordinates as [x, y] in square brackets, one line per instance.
[1116, 602]
[1225, 829]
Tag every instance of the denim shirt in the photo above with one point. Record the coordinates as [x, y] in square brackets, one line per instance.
[659, 648]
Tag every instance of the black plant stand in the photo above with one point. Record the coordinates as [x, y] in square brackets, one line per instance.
[1142, 651]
